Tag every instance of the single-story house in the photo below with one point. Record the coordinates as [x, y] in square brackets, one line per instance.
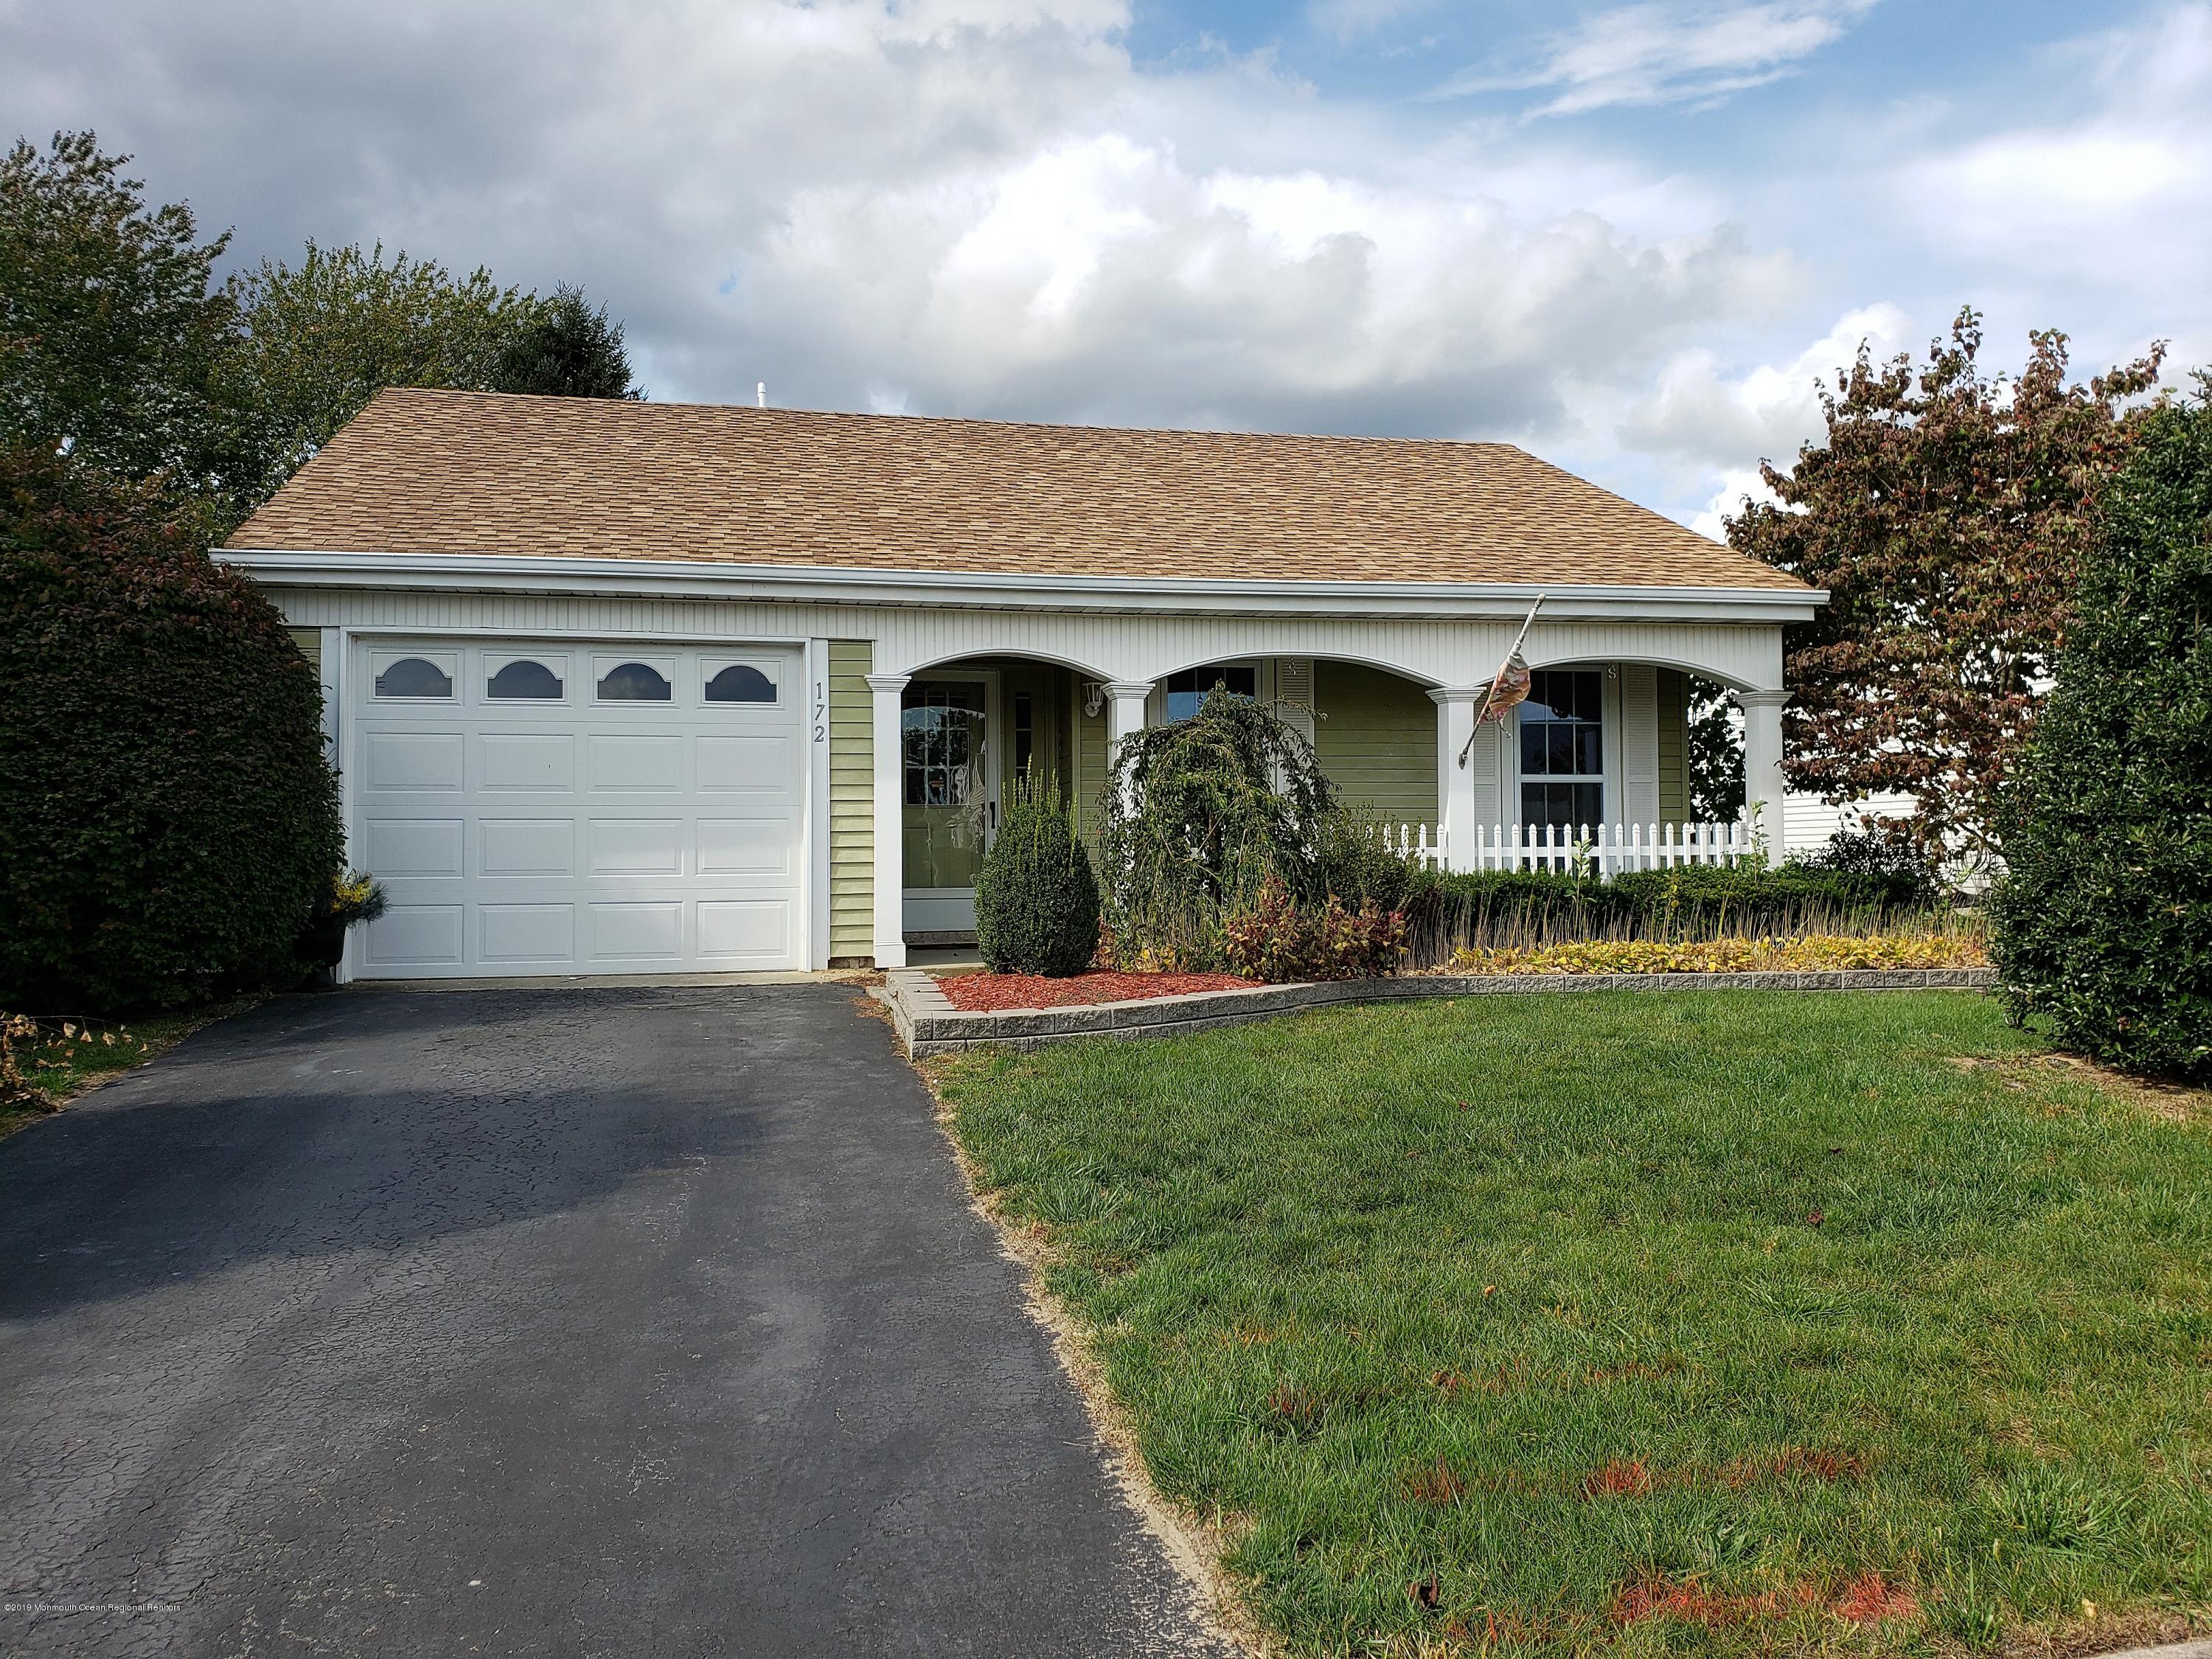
[636, 687]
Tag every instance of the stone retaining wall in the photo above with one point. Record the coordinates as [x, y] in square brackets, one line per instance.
[929, 1024]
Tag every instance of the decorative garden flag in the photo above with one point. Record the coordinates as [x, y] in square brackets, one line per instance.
[1508, 686]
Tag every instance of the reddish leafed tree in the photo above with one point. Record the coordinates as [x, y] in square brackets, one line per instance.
[1947, 513]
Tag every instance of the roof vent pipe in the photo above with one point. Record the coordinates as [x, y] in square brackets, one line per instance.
[760, 394]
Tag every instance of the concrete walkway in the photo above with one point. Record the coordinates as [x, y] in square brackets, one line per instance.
[584, 1322]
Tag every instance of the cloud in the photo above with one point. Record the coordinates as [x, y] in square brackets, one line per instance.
[2119, 192]
[957, 206]
[1664, 54]
[1347, 20]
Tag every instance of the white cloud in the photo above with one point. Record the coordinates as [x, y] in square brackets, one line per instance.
[2118, 192]
[1347, 20]
[957, 206]
[1658, 53]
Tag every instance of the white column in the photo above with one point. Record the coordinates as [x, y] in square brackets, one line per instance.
[889, 871]
[1762, 762]
[1125, 716]
[1454, 775]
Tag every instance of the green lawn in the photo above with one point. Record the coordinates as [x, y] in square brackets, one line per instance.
[71, 1056]
[1704, 1322]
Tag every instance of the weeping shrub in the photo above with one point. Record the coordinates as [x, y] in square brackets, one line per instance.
[2102, 927]
[1036, 898]
[1197, 815]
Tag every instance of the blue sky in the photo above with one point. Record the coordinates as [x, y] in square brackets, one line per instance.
[1628, 236]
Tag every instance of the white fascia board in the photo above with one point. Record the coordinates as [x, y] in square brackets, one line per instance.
[819, 585]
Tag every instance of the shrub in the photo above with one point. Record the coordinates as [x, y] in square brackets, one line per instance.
[1898, 862]
[1351, 860]
[1037, 900]
[1278, 940]
[1199, 815]
[2103, 924]
[167, 821]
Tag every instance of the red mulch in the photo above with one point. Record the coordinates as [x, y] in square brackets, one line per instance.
[980, 992]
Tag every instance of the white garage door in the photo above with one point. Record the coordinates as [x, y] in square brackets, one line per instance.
[578, 808]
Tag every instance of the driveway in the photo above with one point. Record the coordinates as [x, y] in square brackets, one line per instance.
[623, 1322]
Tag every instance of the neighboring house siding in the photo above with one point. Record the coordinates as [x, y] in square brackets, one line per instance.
[851, 802]
[1674, 708]
[1375, 738]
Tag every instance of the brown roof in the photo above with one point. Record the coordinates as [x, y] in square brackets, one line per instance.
[465, 473]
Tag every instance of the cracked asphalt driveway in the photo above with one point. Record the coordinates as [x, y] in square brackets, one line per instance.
[557, 1322]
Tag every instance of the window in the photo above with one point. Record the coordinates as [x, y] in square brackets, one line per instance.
[1186, 690]
[635, 682]
[1563, 749]
[414, 677]
[941, 734]
[1024, 733]
[740, 683]
[524, 678]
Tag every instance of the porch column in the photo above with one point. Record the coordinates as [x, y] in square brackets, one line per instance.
[889, 809]
[1455, 710]
[1125, 717]
[1762, 762]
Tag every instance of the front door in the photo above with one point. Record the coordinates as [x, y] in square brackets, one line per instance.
[950, 775]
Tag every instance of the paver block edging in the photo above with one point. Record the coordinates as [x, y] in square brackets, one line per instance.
[929, 1024]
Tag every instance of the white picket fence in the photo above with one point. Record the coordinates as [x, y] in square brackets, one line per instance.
[1604, 850]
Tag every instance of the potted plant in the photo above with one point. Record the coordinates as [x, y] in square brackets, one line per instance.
[356, 895]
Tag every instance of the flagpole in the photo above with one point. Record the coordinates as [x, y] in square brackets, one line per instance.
[1491, 690]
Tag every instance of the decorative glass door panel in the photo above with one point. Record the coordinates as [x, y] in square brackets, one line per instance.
[949, 787]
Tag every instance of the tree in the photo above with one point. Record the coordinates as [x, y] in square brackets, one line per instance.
[1716, 755]
[325, 336]
[113, 345]
[569, 349]
[2103, 923]
[1947, 513]
[168, 824]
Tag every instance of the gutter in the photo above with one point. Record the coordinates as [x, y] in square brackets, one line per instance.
[818, 585]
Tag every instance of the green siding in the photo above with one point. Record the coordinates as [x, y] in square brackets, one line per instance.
[1090, 781]
[852, 803]
[1375, 735]
[1674, 698]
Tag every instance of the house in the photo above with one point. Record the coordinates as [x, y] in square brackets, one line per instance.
[634, 688]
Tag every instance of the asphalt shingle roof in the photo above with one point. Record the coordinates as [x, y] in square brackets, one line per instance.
[464, 472]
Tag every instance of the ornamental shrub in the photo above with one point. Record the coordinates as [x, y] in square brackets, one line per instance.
[2102, 927]
[1279, 941]
[167, 821]
[1036, 899]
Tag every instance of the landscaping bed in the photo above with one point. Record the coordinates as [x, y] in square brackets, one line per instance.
[1732, 1321]
[974, 992]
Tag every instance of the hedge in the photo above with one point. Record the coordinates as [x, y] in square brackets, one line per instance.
[2102, 926]
[169, 824]
[1650, 900]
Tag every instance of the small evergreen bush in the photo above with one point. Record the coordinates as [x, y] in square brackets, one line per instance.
[2102, 927]
[1036, 899]
[168, 825]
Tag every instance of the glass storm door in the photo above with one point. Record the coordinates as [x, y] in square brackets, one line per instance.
[950, 792]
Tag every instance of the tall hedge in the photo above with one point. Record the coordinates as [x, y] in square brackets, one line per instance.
[1036, 896]
[168, 820]
[2103, 926]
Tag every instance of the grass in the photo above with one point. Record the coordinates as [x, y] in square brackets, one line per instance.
[1732, 1322]
[69, 1056]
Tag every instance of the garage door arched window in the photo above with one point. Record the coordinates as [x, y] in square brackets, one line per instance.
[414, 677]
[523, 678]
[635, 682]
[740, 683]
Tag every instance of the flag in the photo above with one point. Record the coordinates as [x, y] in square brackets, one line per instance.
[1507, 691]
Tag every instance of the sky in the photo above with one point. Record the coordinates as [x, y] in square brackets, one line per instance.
[1628, 237]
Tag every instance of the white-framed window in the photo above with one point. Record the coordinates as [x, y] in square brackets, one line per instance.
[724, 680]
[414, 676]
[633, 680]
[1182, 694]
[541, 677]
[1563, 749]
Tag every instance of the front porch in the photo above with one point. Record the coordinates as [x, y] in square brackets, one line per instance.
[1592, 768]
